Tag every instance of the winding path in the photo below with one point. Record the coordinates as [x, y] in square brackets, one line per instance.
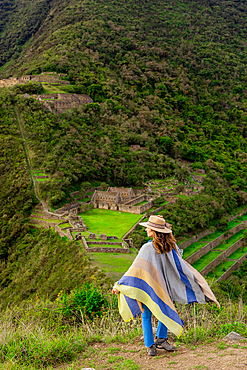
[32, 178]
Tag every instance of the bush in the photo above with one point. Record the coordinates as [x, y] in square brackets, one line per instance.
[88, 301]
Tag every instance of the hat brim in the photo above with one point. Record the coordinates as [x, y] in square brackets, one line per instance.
[164, 231]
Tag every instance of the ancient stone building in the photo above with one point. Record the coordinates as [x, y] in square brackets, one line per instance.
[122, 199]
[106, 199]
[126, 193]
[60, 103]
[46, 78]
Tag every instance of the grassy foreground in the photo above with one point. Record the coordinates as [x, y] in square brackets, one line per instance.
[38, 335]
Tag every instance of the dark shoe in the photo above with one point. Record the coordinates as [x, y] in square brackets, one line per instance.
[151, 350]
[162, 343]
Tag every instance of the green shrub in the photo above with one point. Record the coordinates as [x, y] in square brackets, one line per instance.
[88, 301]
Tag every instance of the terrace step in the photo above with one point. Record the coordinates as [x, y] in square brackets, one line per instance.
[223, 256]
[215, 243]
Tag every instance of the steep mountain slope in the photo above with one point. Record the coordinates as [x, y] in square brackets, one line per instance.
[169, 76]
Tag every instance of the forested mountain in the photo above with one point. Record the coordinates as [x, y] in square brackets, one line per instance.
[169, 76]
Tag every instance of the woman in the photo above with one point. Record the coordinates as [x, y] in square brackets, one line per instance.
[157, 278]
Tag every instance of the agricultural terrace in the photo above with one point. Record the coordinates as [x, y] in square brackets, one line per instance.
[104, 221]
[208, 238]
[115, 266]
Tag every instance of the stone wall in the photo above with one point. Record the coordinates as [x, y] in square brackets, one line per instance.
[68, 234]
[134, 227]
[222, 257]
[51, 216]
[234, 267]
[59, 231]
[55, 78]
[106, 243]
[124, 249]
[108, 250]
[47, 96]
[136, 200]
[67, 208]
[195, 238]
[238, 215]
[61, 102]
[208, 247]
[145, 207]
[136, 209]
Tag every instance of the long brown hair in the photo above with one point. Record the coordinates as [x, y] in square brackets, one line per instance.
[163, 243]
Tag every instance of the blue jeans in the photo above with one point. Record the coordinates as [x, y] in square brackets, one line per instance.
[148, 330]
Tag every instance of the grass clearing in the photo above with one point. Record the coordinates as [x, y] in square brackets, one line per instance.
[39, 174]
[113, 265]
[50, 89]
[104, 221]
[45, 179]
[65, 225]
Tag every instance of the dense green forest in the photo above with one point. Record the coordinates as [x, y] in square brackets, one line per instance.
[168, 76]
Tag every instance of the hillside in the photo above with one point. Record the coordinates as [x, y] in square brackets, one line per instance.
[165, 93]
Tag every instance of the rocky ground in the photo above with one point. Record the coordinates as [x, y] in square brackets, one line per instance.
[218, 355]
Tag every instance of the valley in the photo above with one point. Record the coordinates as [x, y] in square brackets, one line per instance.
[111, 112]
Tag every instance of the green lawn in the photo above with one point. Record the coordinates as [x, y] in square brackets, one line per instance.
[65, 225]
[39, 174]
[113, 265]
[104, 221]
[205, 260]
[46, 179]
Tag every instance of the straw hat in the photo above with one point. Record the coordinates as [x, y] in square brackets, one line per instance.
[157, 224]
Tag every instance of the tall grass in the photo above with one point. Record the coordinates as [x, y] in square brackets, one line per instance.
[38, 336]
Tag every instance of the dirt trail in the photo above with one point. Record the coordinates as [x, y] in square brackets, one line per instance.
[214, 356]
[32, 178]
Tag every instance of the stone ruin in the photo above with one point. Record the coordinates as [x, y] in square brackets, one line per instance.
[43, 77]
[137, 147]
[121, 199]
[61, 102]
[111, 198]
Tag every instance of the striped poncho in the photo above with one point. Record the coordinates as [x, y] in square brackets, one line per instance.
[158, 280]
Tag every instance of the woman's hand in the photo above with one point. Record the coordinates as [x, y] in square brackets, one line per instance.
[115, 291]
